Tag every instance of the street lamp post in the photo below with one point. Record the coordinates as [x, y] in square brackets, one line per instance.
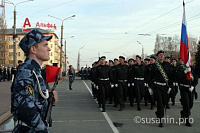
[142, 50]
[78, 62]
[66, 54]
[61, 41]
[14, 31]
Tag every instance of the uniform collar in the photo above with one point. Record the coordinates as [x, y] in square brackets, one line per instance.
[33, 63]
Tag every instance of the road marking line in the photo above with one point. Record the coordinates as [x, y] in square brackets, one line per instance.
[66, 121]
[115, 130]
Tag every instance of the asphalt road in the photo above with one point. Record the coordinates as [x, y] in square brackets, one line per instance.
[77, 112]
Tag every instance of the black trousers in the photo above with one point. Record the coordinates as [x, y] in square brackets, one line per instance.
[140, 90]
[186, 100]
[161, 96]
[123, 90]
[131, 94]
[116, 95]
[103, 93]
[94, 90]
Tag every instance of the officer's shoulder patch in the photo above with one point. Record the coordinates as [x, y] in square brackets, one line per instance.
[30, 90]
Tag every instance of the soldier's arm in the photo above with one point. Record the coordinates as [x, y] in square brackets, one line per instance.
[25, 101]
[170, 76]
[151, 76]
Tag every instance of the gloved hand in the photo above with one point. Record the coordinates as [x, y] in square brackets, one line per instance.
[191, 88]
[94, 85]
[174, 84]
[97, 87]
[150, 91]
[145, 84]
[116, 85]
[169, 90]
[187, 70]
[132, 84]
[129, 84]
[112, 85]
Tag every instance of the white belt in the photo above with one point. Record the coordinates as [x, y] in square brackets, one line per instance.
[162, 84]
[104, 79]
[184, 85]
[139, 78]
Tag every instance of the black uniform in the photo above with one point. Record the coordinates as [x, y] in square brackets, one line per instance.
[131, 88]
[138, 72]
[186, 95]
[148, 96]
[93, 78]
[104, 77]
[174, 91]
[115, 88]
[160, 87]
[122, 78]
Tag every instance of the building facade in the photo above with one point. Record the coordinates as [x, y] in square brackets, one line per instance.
[8, 50]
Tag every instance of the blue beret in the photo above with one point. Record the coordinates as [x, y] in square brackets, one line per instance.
[31, 38]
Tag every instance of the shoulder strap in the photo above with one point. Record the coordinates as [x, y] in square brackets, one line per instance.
[39, 87]
[162, 71]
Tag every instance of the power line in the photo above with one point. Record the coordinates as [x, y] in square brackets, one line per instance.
[46, 9]
[160, 29]
[156, 18]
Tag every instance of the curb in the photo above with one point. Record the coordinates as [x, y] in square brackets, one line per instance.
[5, 116]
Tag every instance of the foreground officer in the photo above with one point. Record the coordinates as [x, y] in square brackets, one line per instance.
[104, 77]
[29, 91]
[161, 83]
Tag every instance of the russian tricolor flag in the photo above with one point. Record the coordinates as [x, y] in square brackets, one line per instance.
[184, 45]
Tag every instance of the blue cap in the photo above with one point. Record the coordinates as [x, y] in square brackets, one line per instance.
[31, 38]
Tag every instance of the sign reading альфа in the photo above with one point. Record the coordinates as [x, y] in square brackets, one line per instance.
[27, 25]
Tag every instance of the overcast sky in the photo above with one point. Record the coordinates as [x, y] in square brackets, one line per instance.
[100, 25]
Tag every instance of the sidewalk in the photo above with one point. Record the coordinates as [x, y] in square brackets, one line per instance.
[5, 100]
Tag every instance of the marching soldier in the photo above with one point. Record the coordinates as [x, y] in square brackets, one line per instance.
[115, 81]
[110, 97]
[29, 92]
[93, 79]
[187, 90]
[138, 72]
[146, 76]
[122, 78]
[149, 68]
[104, 77]
[131, 89]
[161, 83]
[175, 81]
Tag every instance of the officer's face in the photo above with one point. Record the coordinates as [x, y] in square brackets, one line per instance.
[121, 60]
[161, 57]
[42, 51]
[131, 62]
[138, 60]
[103, 61]
[152, 61]
[116, 62]
[174, 62]
[146, 62]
